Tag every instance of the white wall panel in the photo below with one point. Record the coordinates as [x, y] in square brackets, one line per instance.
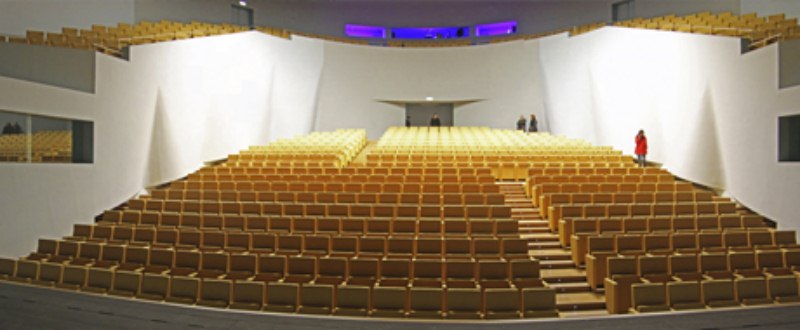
[157, 118]
[355, 78]
[710, 112]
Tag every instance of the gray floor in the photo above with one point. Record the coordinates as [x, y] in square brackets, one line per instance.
[27, 307]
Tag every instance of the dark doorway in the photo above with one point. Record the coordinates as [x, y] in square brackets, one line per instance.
[421, 113]
[623, 10]
[242, 15]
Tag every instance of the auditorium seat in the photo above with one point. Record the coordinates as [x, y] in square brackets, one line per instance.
[126, 283]
[388, 301]
[316, 299]
[74, 277]
[154, 287]
[463, 303]
[425, 302]
[282, 297]
[719, 293]
[184, 290]
[783, 289]
[539, 302]
[248, 295]
[352, 300]
[684, 296]
[501, 303]
[215, 293]
[99, 280]
[751, 291]
[27, 270]
[648, 298]
[49, 274]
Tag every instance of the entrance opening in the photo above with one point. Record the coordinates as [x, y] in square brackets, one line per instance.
[421, 113]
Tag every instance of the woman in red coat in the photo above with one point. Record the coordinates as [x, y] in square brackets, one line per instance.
[641, 148]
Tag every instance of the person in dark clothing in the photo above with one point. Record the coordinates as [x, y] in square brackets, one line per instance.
[521, 123]
[534, 124]
[8, 129]
[408, 121]
[435, 121]
[18, 129]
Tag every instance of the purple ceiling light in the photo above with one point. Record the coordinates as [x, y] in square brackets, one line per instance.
[364, 31]
[496, 29]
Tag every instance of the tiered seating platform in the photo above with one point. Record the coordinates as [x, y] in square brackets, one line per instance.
[420, 227]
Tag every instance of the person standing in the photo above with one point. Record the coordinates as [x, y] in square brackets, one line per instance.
[435, 121]
[8, 129]
[408, 121]
[521, 123]
[641, 148]
[534, 125]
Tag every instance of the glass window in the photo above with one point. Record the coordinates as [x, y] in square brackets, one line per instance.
[40, 139]
[13, 140]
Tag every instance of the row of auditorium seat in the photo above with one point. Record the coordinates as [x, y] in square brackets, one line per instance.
[733, 228]
[567, 213]
[506, 152]
[646, 197]
[306, 298]
[351, 187]
[577, 155]
[45, 147]
[680, 296]
[340, 145]
[676, 241]
[404, 245]
[623, 272]
[449, 227]
[576, 204]
[331, 197]
[537, 170]
[330, 210]
[538, 191]
[501, 170]
[600, 248]
[760, 31]
[111, 39]
[533, 182]
[336, 270]
[478, 159]
[345, 178]
[419, 170]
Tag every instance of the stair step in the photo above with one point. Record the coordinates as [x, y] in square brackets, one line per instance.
[545, 245]
[542, 238]
[534, 225]
[551, 254]
[527, 231]
[571, 287]
[580, 301]
[556, 264]
[563, 275]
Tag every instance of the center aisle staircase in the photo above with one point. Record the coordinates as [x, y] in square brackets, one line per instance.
[574, 297]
